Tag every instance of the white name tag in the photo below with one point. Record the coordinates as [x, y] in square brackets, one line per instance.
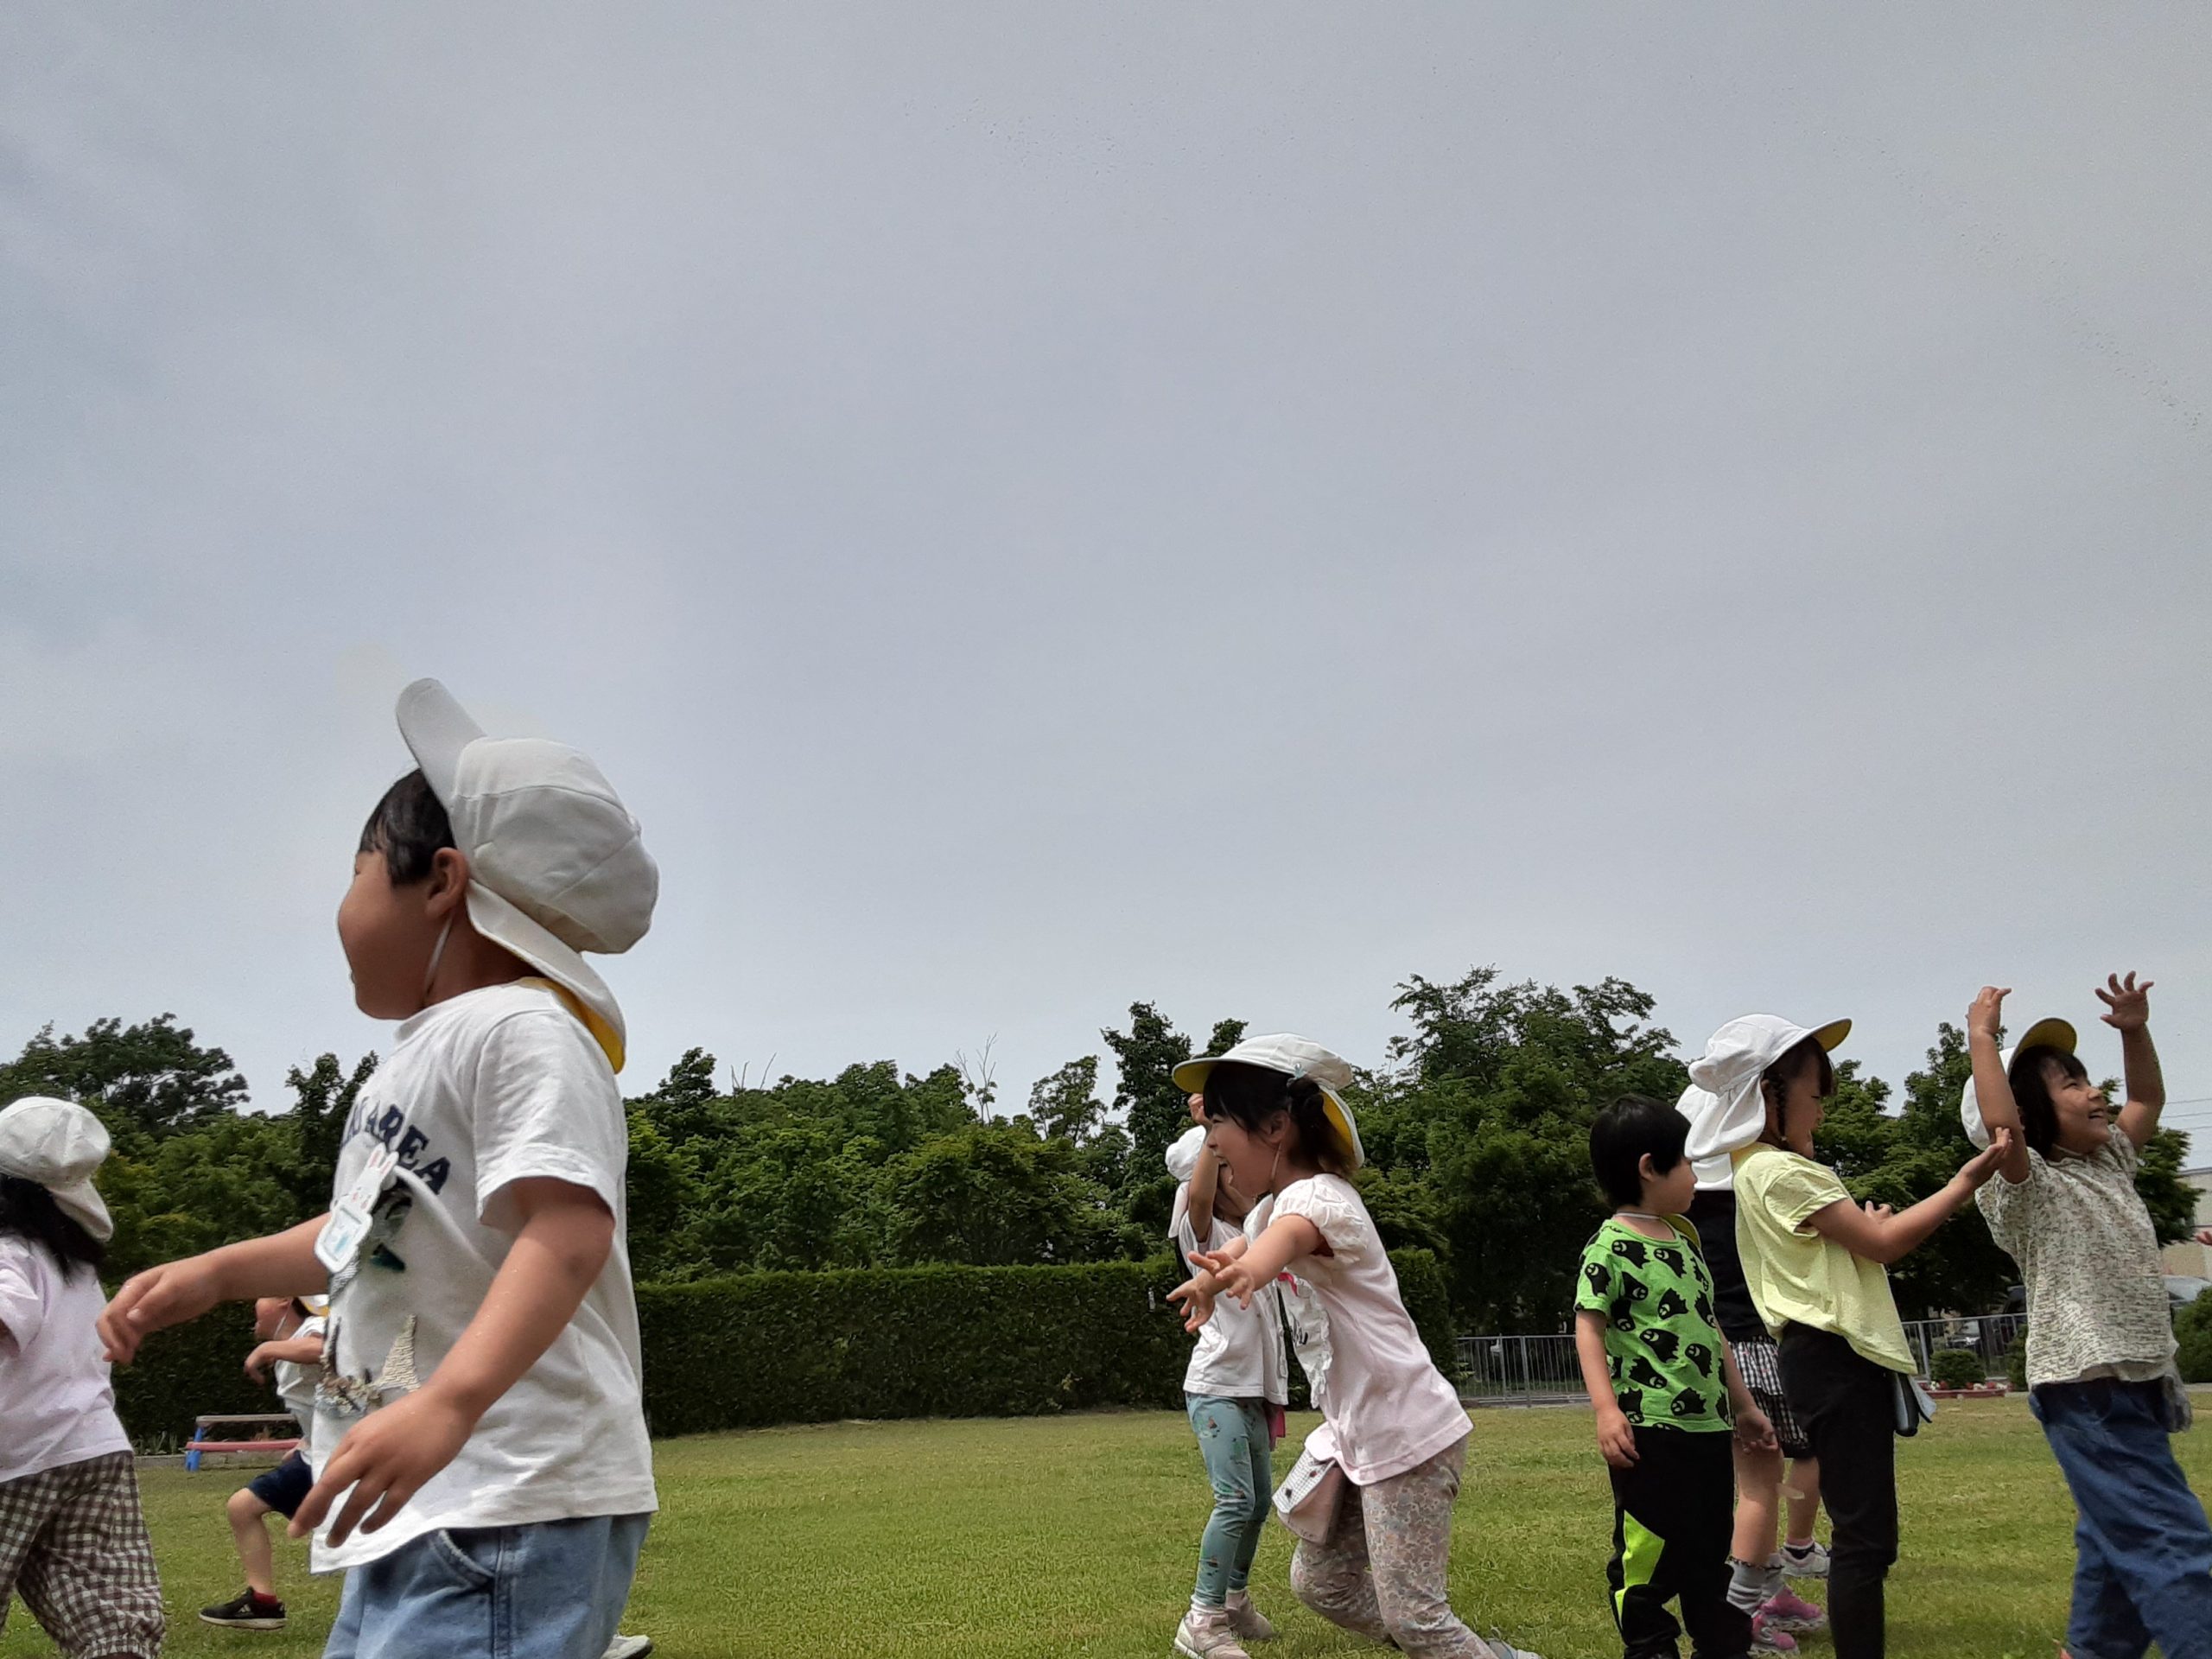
[341, 1235]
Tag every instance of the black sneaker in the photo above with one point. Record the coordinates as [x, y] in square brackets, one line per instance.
[248, 1611]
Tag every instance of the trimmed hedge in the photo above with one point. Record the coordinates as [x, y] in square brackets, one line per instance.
[763, 1348]
[2193, 1334]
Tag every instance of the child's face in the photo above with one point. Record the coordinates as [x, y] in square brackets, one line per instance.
[1250, 1161]
[1669, 1194]
[269, 1316]
[2084, 1112]
[388, 932]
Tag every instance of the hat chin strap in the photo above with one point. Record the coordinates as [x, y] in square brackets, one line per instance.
[437, 955]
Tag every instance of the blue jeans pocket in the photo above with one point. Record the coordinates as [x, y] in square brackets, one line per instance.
[448, 1549]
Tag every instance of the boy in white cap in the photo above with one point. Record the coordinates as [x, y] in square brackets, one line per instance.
[289, 1331]
[72, 1540]
[483, 1473]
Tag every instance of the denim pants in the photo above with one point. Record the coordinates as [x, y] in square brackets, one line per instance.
[2143, 1551]
[551, 1590]
[1233, 1440]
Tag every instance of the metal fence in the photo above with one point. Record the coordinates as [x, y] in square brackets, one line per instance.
[1537, 1370]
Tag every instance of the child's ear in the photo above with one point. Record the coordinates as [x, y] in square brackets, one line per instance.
[447, 885]
[1644, 1170]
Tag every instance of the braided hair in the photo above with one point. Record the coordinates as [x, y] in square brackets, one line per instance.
[1250, 1096]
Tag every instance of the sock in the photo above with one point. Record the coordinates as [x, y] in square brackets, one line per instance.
[1797, 1546]
[1746, 1585]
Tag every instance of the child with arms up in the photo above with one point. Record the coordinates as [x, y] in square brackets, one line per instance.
[2101, 1343]
[480, 1450]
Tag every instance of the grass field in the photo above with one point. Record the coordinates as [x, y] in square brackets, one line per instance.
[1077, 1534]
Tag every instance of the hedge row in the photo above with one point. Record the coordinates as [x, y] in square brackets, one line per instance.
[764, 1348]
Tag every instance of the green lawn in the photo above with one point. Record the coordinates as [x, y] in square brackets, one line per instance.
[1077, 1535]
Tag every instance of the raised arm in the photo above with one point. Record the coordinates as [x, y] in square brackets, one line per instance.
[1205, 1182]
[1993, 1092]
[2129, 1012]
[1882, 1236]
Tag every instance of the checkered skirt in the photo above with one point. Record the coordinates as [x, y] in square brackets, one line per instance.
[1759, 1359]
[74, 1545]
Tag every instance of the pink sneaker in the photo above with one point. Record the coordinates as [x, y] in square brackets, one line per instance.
[1785, 1611]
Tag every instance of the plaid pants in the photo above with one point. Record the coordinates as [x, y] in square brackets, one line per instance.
[74, 1544]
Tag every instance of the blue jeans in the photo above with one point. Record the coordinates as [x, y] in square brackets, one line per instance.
[2143, 1551]
[1233, 1439]
[552, 1590]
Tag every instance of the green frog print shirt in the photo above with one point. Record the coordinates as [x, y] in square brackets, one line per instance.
[1662, 1349]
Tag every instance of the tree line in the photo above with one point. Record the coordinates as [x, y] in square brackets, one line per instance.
[1476, 1125]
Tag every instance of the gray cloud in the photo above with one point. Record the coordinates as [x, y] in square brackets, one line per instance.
[1043, 507]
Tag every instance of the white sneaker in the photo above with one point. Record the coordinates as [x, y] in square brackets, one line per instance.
[1208, 1635]
[1810, 1562]
[1248, 1621]
[1504, 1650]
[628, 1647]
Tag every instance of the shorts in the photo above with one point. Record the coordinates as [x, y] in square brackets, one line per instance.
[74, 1545]
[1760, 1361]
[284, 1487]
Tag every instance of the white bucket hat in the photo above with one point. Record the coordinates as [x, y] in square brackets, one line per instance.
[1294, 1057]
[1723, 1102]
[1182, 1155]
[556, 863]
[2044, 1034]
[58, 1144]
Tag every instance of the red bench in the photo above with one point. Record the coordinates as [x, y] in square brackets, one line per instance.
[200, 1445]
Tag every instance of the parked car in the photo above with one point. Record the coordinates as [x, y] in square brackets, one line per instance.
[2183, 1288]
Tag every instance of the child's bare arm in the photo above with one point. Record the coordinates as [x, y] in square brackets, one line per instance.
[281, 1264]
[562, 1243]
[2129, 1013]
[1287, 1239]
[1993, 1092]
[291, 1350]
[1882, 1236]
[1615, 1436]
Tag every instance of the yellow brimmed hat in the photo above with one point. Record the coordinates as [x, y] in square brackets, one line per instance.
[2044, 1034]
[1294, 1057]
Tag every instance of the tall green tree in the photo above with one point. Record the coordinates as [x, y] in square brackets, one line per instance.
[145, 1080]
[1066, 1105]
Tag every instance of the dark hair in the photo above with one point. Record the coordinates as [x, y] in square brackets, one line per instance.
[1790, 1065]
[2031, 1091]
[409, 827]
[1632, 1128]
[1250, 1096]
[27, 1210]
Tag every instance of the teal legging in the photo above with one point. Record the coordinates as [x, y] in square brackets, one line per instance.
[1233, 1439]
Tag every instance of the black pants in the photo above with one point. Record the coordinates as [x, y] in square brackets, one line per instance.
[1671, 1516]
[1848, 1405]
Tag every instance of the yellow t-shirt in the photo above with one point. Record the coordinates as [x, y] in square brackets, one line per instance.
[1796, 1276]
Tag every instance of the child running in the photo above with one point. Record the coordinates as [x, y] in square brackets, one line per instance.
[1817, 1264]
[1234, 1391]
[1392, 1425]
[72, 1539]
[2101, 1343]
[290, 1332]
[483, 1476]
[1664, 1386]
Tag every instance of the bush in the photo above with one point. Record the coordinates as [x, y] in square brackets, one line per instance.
[2193, 1331]
[763, 1348]
[1957, 1368]
[2015, 1361]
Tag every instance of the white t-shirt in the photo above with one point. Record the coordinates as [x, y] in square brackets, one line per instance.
[295, 1383]
[1239, 1353]
[1387, 1408]
[481, 1090]
[55, 1405]
[1305, 1321]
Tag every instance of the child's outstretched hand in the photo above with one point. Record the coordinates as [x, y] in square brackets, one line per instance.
[1756, 1432]
[258, 1362]
[1616, 1438]
[2130, 1003]
[1987, 1017]
[153, 1300]
[1234, 1277]
[1197, 1296]
[386, 1458]
[1977, 1170]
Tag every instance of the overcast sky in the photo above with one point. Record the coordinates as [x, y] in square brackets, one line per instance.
[1036, 507]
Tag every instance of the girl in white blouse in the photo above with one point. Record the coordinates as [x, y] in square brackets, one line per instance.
[1392, 1427]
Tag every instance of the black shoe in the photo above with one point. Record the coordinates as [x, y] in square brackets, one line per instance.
[248, 1611]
